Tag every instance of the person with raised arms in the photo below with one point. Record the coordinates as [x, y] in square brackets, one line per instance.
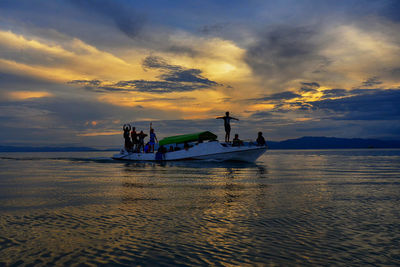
[227, 119]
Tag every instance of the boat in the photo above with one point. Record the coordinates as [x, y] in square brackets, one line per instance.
[196, 146]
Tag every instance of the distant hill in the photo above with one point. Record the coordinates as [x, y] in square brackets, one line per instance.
[311, 142]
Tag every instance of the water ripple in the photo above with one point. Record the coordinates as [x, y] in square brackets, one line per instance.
[291, 208]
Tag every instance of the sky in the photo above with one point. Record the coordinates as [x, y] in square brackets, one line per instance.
[72, 72]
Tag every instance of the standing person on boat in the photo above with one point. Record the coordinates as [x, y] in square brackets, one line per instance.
[127, 129]
[153, 138]
[227, 119]
[141, 137]
[134, 137]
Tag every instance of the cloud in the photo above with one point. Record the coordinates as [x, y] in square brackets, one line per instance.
[284, 53]
[126, 18]
[286, 61]
[262, 114]
[287, 95]
[309, 87]
[59, 62]
[212, 28]
[381, 104]
[330, 93]
[175, 73]
[373, 81]
[23, 95]
[64, 120]
[172, 99]
[174, 78]
[183, 50]
[160, 86]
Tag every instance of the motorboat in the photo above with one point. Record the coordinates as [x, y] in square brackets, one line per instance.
[196, 146]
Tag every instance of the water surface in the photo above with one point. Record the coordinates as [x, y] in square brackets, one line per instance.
[292, 207]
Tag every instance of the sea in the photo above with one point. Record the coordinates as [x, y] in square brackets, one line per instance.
[290, 208]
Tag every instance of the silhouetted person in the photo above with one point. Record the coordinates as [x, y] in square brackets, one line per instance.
[141, 137]
[146, 148]
[236, 141]
[127, 129]
[134, 137]
[260, 140]
[160, 155]
[153, 138]
[227, 119]
[186, 146]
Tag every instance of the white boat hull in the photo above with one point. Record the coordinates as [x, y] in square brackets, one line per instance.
[210, 151]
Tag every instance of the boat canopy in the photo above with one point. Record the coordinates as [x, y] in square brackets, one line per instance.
[178, 139]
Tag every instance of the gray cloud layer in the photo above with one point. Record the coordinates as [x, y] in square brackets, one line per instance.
[284, 53]
[127, 19]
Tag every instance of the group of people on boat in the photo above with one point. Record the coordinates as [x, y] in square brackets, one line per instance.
[134, 141]
[236, 141]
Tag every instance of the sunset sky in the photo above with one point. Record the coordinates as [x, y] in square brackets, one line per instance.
[73, 72]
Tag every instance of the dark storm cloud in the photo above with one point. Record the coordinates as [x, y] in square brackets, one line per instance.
[159, 86]
[127, 19]
[379, 105]
[287, 95]
[174, 78]
[304, 106]
[309, 87]
[14, 81]
[212, 28]
[262, 114]
[190, 75]
[180, 49]
[175, 73]
[172, 99]
[312, 84]
[86, 83]
[285, 52]
[359, 91]
[155, 62]
[329, 93]
[373, 81]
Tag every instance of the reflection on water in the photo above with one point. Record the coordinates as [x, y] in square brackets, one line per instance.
[289, 208]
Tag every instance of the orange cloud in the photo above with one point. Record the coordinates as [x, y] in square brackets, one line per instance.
[23, 95]
[99, 133]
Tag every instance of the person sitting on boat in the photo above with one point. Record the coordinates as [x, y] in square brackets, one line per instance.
[153, 138]
[260, 140]
[227, 125]
[186, 146]
[160, 154]
[236, 141]
[134, 137]
[147, 148]
[127, 129]
[141, 137]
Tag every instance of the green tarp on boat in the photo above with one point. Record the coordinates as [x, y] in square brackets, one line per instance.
[178, 139]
